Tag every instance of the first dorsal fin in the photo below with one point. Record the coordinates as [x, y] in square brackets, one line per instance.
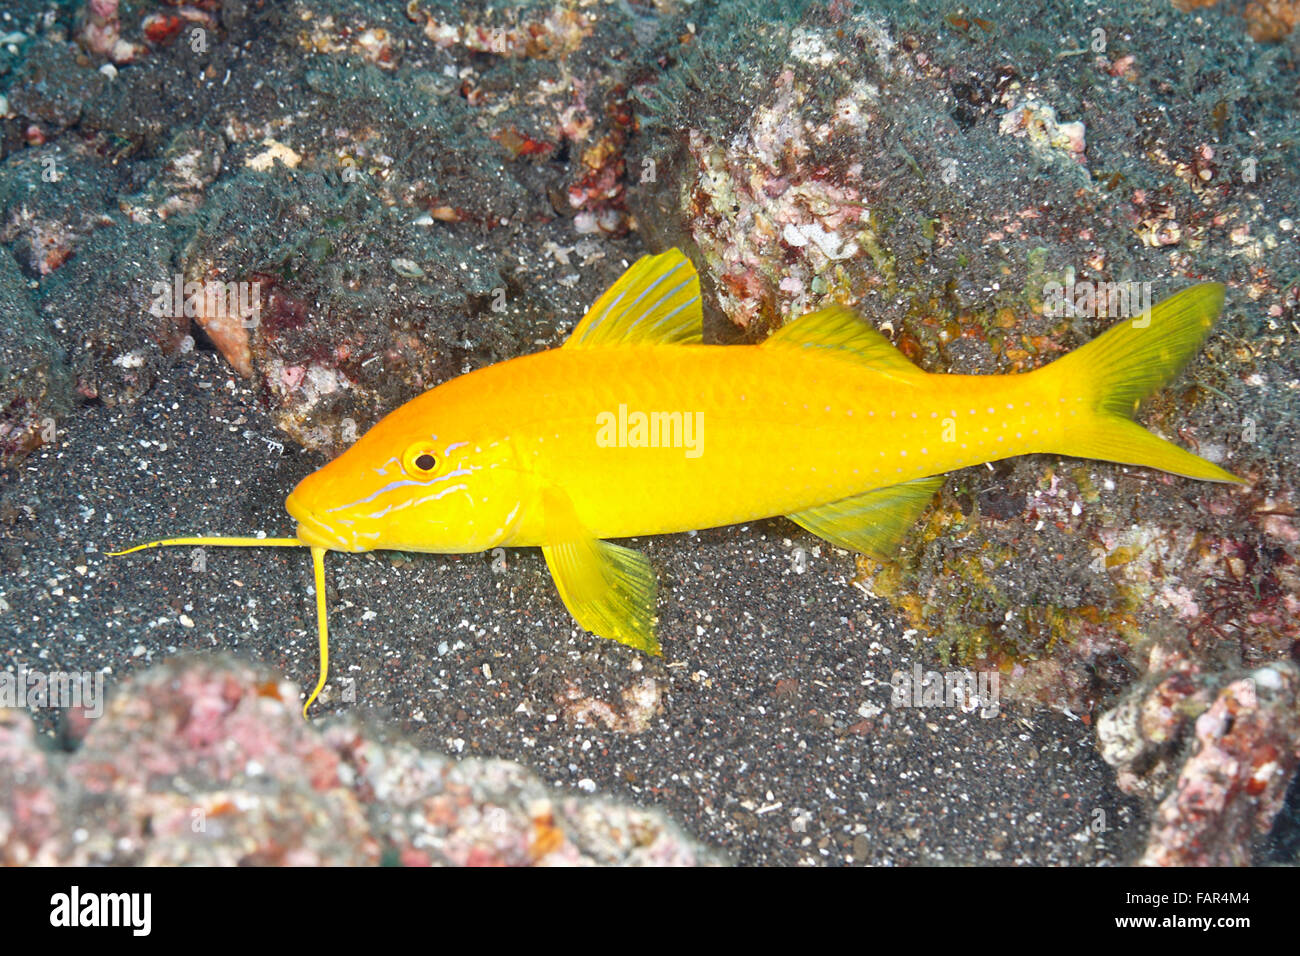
[840, 332]
[656, 301]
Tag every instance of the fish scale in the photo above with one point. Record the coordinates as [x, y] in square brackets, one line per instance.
[780, 433]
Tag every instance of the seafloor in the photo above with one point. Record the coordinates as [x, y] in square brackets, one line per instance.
[415, 190]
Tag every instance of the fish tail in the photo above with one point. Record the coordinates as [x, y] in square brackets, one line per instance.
[1099, 386]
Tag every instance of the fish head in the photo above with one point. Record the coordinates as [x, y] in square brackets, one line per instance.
[417, 481]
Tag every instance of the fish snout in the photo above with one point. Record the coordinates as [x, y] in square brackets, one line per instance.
[312, 530]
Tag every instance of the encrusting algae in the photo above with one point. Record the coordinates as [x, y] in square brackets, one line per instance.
[635, 427]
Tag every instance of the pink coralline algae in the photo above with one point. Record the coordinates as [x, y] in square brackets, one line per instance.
[206, 761]
[1233, 778]
[1233, 785]
[101, 32]
[552, 35]
[29, 818]
[757, 202]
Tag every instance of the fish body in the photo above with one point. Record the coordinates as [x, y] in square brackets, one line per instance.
[738, 432]
[635, 428]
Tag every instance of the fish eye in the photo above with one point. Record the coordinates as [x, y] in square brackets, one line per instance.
[420, 460]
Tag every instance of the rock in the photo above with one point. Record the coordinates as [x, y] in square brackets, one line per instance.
[35, 387]
[52, 87]
[208, 761]
[1234, 782]
[1212, 752]
[29, 814]
[104, 304]
[52, 197]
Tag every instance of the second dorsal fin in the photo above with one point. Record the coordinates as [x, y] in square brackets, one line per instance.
[656, 301]
[840, 332]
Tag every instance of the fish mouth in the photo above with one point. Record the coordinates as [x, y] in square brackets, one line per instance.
[313, 531]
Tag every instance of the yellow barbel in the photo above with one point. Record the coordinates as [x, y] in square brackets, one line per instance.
[634, 427]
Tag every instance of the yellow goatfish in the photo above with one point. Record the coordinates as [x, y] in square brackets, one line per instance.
[634, 427]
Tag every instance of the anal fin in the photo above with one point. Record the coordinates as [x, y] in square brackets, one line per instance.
[609, 590]
[873, 523]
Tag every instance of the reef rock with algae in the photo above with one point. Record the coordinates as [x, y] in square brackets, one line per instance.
[208, 761]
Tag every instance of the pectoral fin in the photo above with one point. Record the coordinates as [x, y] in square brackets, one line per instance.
[873, 523]
[609, 590]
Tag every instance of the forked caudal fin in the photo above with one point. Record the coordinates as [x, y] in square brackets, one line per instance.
[1114, 372]
[318, 567]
